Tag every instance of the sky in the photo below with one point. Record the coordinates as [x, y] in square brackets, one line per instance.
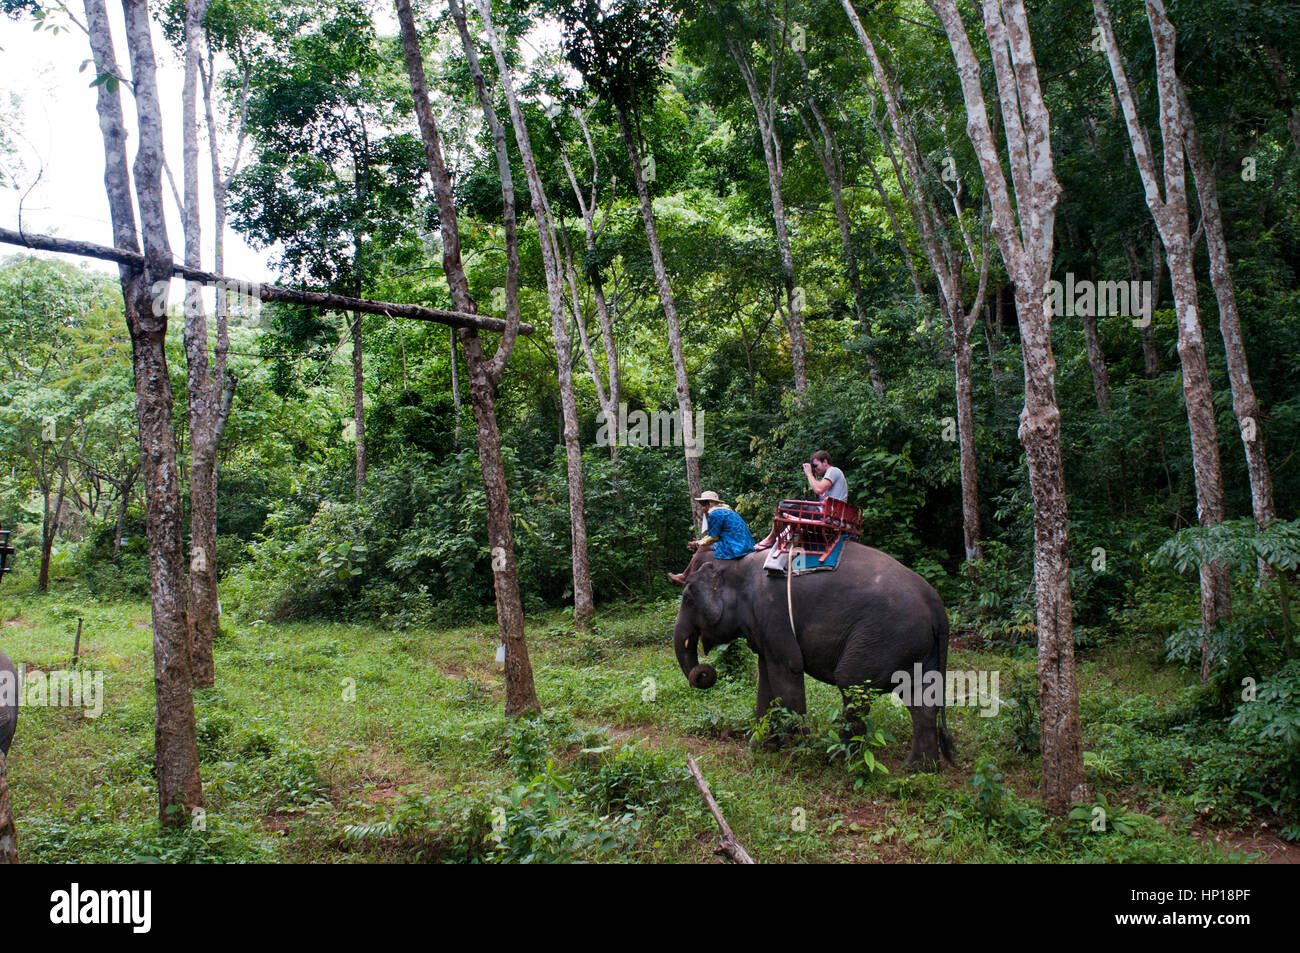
[56, 130]
[62, 152]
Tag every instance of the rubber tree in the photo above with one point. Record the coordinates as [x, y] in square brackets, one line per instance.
[483, 376]
[1025, 236]
[583, 604]
[618, 47]
[1172, 220]
[144, 292]
[945, 260]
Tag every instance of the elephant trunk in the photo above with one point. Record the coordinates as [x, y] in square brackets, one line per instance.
[686, 640]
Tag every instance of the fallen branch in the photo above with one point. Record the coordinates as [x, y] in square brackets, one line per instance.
[729, 847]
[311, 299]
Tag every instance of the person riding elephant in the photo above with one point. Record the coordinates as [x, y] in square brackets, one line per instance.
[726, 536]
[825, 479]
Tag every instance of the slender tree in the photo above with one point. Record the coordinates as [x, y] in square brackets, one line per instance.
[144, 292]
[1172, 220]
[583, 604]
[1024, 234]
[618, 48]
[483, 376]
[946, 263]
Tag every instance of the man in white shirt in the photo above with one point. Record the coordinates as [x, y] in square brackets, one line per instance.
[825, 480]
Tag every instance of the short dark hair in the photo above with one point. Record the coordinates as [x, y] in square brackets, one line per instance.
[821, 455]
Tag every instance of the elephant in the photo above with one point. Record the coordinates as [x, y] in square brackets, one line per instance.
[856, 625]
[8, 702]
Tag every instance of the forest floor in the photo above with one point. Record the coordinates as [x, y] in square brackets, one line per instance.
[345, 742]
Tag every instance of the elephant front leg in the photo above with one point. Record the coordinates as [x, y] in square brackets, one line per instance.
[779, 686]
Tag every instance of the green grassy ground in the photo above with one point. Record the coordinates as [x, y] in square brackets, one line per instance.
[333, 743]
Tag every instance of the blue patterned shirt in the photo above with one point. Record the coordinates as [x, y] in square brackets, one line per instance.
[734, 537]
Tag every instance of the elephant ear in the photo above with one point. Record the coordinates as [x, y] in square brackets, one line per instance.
[704, 592]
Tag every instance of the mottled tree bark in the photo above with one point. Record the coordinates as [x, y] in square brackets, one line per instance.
[1245, 405]
[483, 375]
[359, 402]
[175, 746]
[584, 608]
[204, 402]
[1173, 223]
[1025, 237]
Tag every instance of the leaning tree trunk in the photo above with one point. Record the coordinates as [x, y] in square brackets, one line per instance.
[176, 759]
[947, 267]
[583, 605]
[1245, 405]
[683, 388]
[1171, 218]
[483, 375]
[763, 115]
[1026, 242]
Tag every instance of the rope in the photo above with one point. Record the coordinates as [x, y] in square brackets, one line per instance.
[789, 577]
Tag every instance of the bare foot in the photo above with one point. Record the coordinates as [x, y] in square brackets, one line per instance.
[678, 577]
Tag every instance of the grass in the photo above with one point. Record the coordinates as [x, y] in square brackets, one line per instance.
[333, 743]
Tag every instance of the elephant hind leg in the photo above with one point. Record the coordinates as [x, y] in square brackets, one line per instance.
[926, 742]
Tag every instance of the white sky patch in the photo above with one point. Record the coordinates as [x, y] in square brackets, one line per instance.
[61, 184]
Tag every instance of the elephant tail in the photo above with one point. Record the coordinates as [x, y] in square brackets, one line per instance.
[939, 659]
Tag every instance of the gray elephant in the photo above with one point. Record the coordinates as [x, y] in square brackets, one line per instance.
[858, 625]
[8, 702]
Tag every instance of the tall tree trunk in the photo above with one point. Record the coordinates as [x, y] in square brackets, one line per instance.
[1172, 221]
[763, 115]
[201, 615]
[176, 759]
[1244, 403]
[454, 355]
[483, 374]
[1026, 243]
[583, 605]
[359, 402]
[683, 388]
[609, 396]
[1278, 68]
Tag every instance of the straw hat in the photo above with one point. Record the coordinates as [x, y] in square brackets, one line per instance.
[708, 496]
